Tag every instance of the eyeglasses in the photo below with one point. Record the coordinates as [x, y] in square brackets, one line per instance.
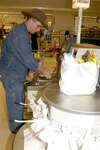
[38, 25]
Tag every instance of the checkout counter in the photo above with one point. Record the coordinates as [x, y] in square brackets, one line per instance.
[77, 117]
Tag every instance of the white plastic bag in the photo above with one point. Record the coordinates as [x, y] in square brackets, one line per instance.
[77, 79]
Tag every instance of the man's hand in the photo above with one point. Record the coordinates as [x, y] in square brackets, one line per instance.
[44, 72]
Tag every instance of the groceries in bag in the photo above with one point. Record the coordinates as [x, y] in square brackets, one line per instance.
[78, 78]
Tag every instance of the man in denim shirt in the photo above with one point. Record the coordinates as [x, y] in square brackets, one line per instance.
[16, 61]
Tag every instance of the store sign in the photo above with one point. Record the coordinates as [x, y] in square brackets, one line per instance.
[82, 1]
[80, 4]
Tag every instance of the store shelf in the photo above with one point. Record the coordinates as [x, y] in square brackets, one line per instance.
[93, 32]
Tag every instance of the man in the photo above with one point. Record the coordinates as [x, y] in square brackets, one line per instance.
[16, 61]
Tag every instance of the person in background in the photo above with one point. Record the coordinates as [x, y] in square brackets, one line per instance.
[34, 41]
[67, 34]
[2, 32]
[16, 62]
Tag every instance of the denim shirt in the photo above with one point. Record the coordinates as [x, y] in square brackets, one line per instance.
[17, 58]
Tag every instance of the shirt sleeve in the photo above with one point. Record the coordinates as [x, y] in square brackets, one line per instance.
[21, 48]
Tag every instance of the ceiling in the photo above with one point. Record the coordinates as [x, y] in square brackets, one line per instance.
[47, 5]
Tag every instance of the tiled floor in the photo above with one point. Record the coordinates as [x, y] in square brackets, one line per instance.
[6, 137]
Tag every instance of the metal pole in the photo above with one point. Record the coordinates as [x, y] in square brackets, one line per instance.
[79, 24]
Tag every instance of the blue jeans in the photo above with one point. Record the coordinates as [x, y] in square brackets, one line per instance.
[14, 94]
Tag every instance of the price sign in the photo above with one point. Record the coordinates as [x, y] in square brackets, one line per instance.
[80, 4]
